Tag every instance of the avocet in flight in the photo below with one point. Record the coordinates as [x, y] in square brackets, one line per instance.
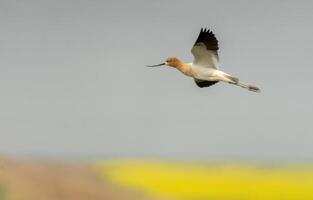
[205, 67]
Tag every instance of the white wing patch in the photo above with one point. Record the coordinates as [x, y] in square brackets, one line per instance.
[204, 57]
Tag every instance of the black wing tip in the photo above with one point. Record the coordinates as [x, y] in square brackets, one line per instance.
[206, 30]
[208, 38]
[203, 84]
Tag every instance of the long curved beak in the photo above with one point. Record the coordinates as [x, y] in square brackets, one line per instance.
[155, 65]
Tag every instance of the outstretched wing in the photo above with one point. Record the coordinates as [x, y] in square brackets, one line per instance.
[205, 50]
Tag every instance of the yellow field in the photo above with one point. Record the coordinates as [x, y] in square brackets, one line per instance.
[218, 181]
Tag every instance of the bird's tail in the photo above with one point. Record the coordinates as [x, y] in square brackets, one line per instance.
[236, 81]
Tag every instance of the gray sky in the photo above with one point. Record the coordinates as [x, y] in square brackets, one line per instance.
[73, 81]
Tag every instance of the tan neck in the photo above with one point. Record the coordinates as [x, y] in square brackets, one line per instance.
[184, 68]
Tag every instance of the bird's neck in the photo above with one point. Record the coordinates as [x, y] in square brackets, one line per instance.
[184, 68]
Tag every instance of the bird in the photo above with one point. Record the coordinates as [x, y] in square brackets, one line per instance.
[205, 66]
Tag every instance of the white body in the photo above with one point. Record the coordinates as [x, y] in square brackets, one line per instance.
[209, 74]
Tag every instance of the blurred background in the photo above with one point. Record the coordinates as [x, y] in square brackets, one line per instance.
[82, 118]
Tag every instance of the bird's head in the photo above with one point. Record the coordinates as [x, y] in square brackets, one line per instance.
[172, 62]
